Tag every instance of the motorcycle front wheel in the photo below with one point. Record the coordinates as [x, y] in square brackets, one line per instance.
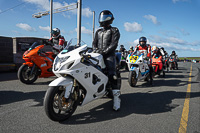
[132, 78]
[25, 76]
[57, 107]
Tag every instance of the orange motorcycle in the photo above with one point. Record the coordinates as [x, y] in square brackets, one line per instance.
[38, 64]
[157, 66]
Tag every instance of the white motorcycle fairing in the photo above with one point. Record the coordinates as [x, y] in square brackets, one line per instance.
[62, 81]
[139, 65]
[69, 66]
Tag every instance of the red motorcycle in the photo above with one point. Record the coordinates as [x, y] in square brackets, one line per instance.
[172, 63]
[157, 66]
[38, 64]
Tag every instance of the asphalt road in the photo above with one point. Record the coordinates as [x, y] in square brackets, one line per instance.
[144, 109]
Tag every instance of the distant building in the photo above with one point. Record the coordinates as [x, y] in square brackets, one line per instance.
[12, 49]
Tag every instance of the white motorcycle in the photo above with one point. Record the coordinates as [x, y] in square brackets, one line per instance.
[81, 79]
[138, 68]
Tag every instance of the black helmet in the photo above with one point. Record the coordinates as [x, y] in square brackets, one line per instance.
[173, 53]
[105, 18]
[121, 46]
[143, 39]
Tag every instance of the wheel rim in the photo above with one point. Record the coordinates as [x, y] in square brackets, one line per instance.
[26, 74]
[133, 79]
[61, 105]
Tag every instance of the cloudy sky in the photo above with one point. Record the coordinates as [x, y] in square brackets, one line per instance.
[172, 24]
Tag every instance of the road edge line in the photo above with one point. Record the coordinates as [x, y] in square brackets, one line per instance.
[185, 112]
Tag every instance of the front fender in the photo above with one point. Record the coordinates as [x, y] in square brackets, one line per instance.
[30, 64]
[67, 82]
[136, 69]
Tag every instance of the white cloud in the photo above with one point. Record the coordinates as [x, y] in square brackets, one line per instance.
[86, 12]
[173, 40]
[47, 37]
[176, 40]
[85, 31]
[184, 32]
[133, 27]
[45, 5]
[42, 4]
[47, 28]
[171, 46]
[174, 1]
[25, 27]
[152, 18]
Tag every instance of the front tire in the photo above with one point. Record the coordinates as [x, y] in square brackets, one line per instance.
[25, 76]
[132, 78]
[56, 106]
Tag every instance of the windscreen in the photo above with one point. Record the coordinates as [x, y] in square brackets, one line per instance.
[34, 45]
[72, 44]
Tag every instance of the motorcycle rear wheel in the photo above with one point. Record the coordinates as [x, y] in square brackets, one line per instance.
[24, 74]
[132, 78]
[57, 107]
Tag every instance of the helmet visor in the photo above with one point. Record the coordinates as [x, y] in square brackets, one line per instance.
[103, 17]
[54, 32]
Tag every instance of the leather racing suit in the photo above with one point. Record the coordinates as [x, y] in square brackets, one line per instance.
[105, 43]
[58, 44]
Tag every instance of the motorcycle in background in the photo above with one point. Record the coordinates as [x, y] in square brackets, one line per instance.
[157, 66]
[173, 63]
[37, 64]
[123, 64]
[138, 68]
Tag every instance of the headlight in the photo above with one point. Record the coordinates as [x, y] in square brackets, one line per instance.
[58, 62]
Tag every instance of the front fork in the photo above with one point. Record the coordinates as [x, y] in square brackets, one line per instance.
[68, 94]
[136, 69]
[33, 68]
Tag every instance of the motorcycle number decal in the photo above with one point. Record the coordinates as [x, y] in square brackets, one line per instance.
[133, 59]
[87, 75]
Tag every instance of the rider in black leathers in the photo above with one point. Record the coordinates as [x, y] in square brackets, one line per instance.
[105, 42]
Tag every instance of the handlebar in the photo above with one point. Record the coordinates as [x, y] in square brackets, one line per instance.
[88, 57]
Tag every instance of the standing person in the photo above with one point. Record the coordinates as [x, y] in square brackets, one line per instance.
[145, 48]
[57, 41]
[105, 42]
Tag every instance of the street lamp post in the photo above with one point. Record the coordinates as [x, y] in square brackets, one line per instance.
[51, 16]
[93, 29]
[79, 13]
[77, 6]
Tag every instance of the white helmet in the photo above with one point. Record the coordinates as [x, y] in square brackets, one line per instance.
[154, 49]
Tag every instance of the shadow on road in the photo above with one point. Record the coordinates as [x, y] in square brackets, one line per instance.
[7, 97]
[6, 76]
[136, 103]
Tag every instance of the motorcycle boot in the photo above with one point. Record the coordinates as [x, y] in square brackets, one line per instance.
[116, 99]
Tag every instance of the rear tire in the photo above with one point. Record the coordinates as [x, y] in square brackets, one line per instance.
[24, 74]
[57, 107]
[132, 78]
